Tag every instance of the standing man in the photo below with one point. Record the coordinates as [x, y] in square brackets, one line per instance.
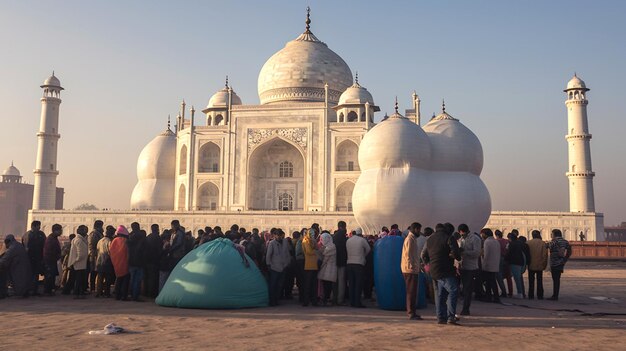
[357, 249]
[79, 253]
[34, 241]
[471, 246]
[491, 264]
[153, 250]
[92, 242]
[177, 243]
[277, 259]
[51, 255]
[560, 252]
[440, 253]
[410, 266]
[136, 261]
[339, 239]
[538, 262]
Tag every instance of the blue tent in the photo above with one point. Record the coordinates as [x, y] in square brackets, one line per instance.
[215, 276]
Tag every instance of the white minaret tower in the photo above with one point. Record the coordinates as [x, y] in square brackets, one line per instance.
[44, 196]
[579, 175]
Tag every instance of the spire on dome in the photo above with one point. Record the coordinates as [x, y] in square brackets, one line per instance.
[308, 35]
[308, 20]
[396, 105]
[356, 78]
[169, 123]
[226, 82]
[443, 106]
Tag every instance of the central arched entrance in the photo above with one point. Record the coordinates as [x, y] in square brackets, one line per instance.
[276, 177]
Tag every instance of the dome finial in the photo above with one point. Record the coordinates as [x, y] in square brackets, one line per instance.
[443, 106]
[53, 73]
[396, 105]
[169, 123]
[226, 81]
[308, 20]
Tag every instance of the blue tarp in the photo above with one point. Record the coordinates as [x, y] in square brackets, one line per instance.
[390, 288]
[215, 276]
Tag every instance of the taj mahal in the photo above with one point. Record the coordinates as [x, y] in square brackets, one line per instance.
[310, 151]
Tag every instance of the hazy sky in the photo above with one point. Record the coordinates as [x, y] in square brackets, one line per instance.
[500, 65]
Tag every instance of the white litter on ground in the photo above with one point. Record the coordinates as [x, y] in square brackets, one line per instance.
[605, 299]
[108, 329]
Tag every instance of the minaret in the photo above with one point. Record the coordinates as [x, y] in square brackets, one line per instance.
[44, 196]
[579, 175]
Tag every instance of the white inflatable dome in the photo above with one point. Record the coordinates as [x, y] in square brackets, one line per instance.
[409, 175]
[454, 147]
[156, 169]
[395, 142]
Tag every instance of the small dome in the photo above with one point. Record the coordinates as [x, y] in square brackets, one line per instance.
[156, 172]
[454, 146]
[576, 83]
[356, 94]
[52, 81]
[12, 171]
[220, 99]
[409, 146]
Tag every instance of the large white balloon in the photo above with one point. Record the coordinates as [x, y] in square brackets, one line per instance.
[431, 177]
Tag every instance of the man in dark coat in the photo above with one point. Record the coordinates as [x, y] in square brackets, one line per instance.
[339, 239]
[441, 251]
[92, 244]
[34, 241]
[136, 261]
[16, 263]
[51, 255]
[153, 247]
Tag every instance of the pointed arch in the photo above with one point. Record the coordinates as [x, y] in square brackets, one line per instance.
[208, 197]
[276, 167]
[347, 156]
[343, 196]
[182, 169]
[209, 158]
[182, 197]
[352, 116]
[219, 120]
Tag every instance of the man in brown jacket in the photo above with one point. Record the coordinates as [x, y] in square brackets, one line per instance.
[410, 267]
[538, 262]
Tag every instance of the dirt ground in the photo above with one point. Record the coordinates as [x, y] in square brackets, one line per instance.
[591, 315]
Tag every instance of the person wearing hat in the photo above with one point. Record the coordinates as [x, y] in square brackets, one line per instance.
[119, 257]
[16, 263]
[357, 248]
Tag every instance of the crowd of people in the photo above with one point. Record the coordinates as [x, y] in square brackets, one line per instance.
[324, 268]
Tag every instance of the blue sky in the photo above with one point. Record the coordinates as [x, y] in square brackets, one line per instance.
[500, 65]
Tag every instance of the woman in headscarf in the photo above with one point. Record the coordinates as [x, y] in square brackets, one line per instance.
[328, 270]
[309, 248]
[16, 263]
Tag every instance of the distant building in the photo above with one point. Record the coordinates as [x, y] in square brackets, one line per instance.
[16, 198]
[617, 233]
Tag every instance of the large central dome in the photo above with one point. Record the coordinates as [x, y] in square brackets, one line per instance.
[298, 72]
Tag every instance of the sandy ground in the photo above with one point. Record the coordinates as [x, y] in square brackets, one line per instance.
[576, 322]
